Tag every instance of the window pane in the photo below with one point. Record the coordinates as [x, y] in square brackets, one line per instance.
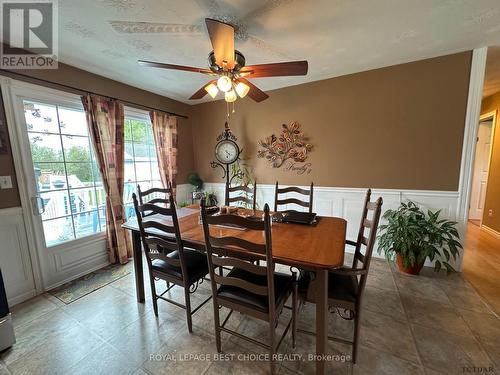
[128, 190]
[79, 174]
[139, 130]
[56, 204]
[76, 148]
[40, 118]
[128, 133]
[155, 175]
[72, 122]
[58, 231]
[143, 171]
[129, 211]
[152, 152]
[45, 147]
[82, 200]
[86, 224]
[101, 196]
[49, 176]
[102, 218]
[141, 152]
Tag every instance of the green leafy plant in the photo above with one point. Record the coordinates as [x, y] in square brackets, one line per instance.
[195, 180]
[416, 236]
[210, 199]
[242, 176]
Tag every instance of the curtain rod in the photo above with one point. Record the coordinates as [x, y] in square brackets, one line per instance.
[26, 77]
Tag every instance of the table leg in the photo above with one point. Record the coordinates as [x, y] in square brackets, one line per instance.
[138, 270]
[321, 319]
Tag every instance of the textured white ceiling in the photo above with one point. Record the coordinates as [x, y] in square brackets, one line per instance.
[337, 37]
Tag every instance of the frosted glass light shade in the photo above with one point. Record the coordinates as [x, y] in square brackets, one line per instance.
[242, 89]
[230, 96]
[224, 84]
[212, 90]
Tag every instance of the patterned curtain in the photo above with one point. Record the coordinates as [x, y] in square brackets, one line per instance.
[165, 133]
[105, 120]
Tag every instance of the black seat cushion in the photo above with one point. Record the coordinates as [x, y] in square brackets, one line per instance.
[196, 264]
[340, 287]
[282, 289]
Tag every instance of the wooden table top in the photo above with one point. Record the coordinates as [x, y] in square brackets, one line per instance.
[309, 246]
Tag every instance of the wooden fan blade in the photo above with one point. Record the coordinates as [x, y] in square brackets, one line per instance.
[202, 92]
[222, 39]
[174, 67]
[255, 93]
[291, 68]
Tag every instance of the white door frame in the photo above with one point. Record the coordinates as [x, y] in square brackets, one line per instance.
[476, 81]
[13, 92]
[486, 116]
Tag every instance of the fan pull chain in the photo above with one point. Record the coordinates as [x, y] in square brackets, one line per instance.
[227, 110]
[233, 108]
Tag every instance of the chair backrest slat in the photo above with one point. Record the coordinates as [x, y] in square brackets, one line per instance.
[238, 242]
[240, 283]
[293, 189]
[165, 246]
[234, 262]
[239, 221]
[160, 226]
[249, 198]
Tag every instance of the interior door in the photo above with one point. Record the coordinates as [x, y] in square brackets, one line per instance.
[481, 166]
[63, 185]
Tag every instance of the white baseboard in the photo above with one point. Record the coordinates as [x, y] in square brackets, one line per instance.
[488, 230]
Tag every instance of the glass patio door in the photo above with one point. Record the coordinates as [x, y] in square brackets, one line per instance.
[63, 195]
[69, 196]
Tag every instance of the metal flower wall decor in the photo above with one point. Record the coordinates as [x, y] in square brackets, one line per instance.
[291, 145]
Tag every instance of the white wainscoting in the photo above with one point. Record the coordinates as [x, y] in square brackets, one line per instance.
[15, 260]
[347, 203]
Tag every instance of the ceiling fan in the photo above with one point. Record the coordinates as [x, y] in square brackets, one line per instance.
[228, 65]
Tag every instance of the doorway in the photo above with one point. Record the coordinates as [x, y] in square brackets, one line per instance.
[481, 167]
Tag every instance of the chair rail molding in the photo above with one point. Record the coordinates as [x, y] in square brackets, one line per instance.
[348, 203]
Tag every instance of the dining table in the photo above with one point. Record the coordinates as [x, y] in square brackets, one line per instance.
[318, 247]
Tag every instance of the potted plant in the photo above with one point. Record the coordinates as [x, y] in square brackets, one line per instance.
[411, 236]
[195, 180]
[210, 199]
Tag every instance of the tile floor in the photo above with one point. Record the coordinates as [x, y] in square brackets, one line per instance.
[430, 324]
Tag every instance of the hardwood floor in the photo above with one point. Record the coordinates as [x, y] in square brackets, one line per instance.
[481, 264]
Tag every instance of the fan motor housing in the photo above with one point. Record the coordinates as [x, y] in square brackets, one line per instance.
[239, 62]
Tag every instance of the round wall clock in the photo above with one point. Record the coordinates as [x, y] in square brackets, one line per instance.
[227, 151]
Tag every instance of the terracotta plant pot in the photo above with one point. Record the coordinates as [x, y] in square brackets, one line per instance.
[414, 270]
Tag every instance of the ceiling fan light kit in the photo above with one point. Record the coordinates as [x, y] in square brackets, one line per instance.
[227, 66]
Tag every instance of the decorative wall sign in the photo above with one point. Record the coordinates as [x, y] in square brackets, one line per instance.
[290, 149]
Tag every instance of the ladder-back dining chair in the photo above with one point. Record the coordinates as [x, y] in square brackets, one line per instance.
[156, 196]
[293, 189]
[248, 288]
[346, 285]
[166, 256]
[242, 194]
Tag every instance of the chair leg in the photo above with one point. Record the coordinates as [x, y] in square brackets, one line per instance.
[188, 308]
[153, 294]
[355, 336]
[217, 326]
[272, 350]
[294, 313]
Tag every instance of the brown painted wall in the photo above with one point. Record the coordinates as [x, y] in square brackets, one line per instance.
[492, 201]
[84, 80]
[397, 127]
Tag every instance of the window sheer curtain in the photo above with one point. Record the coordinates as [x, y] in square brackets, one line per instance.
[165, 134]
[105, 120]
